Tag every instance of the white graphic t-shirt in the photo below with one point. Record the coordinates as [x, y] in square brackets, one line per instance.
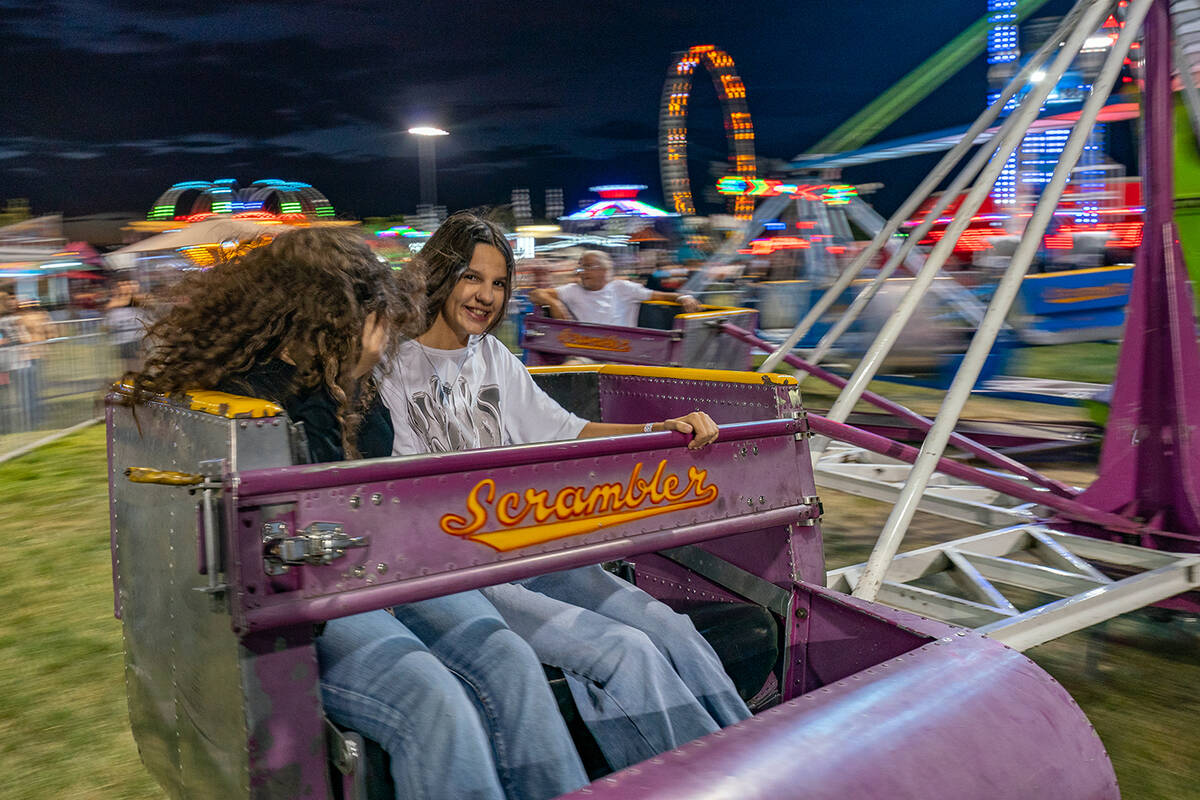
[615, 304]
[442, 401]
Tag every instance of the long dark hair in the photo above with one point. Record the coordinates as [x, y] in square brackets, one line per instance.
[446, 255]
[307, 294]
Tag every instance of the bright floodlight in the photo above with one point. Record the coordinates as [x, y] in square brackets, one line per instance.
[426, 131]
[1034, 78]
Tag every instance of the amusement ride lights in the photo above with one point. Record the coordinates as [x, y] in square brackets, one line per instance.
[672, 126]
[191, 201]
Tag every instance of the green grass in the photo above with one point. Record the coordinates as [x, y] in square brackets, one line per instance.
[1091, 362]
[64, 730]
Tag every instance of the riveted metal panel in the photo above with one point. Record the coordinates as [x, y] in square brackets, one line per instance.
[186, 672]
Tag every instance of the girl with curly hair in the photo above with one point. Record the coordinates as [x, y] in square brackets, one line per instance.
[302, 321]
[643, 678]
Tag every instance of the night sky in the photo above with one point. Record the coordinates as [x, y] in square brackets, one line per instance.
[103, 105]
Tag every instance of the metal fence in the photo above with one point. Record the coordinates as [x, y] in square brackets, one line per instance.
[54, 384]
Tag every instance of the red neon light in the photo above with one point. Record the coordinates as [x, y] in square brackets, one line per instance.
[764, 247]
[623, 193]
[1060, 241]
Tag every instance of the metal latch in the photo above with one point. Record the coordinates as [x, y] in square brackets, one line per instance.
[319, 543]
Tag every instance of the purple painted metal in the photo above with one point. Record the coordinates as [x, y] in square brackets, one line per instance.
[283, 715]
[1072, 509]
[347, 602]
[988, 718]
[973, 447]
[435, 553]
[252, 483]
[546, 338]
[692, 341]
[1150, 460]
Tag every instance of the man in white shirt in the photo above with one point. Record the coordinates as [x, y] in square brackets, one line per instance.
[598, 298]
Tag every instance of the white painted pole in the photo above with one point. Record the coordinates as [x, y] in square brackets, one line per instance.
[923, 190]
[1006, 291]
[964, 177]
[1030, 106]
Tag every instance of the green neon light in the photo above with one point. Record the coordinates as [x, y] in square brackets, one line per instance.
[915, 86]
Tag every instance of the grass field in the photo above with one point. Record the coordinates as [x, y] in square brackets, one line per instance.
[63, 724]
[64, 731]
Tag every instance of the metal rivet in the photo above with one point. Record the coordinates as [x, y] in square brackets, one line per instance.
[243, 425]
[801, 613]
[750, 502]
[762, 499]
[358, 571]
[381, 568]
[355, 501]
[376, 499]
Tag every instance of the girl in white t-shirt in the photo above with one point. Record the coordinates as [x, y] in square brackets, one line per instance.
[644, 680]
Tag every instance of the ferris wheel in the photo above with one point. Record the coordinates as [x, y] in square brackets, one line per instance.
[672, 126]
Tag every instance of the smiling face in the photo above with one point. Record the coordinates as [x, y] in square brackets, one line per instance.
[476, 301]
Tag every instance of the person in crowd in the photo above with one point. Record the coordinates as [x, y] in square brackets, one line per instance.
[302, 321]
[36, 329]
[643, 678]
[13, 361]
[125, 317]
[600, 298]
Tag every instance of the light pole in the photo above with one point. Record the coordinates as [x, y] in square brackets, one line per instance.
[426, 136]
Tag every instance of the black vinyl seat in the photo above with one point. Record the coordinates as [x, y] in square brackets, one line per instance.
[745, 638]
[660, 316]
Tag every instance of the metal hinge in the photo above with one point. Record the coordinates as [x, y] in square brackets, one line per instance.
[802, 417]
[814, 505]
[319, 543]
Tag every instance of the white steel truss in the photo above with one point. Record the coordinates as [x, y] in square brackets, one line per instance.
[964, 582]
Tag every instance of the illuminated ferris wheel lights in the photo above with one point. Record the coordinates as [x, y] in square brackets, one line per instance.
[739, 131]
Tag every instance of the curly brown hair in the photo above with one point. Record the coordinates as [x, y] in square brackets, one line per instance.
[305, 294]
[446, 255]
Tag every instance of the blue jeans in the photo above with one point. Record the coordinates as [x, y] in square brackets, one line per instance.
[533, 751]
[380, 680]
[644, 679]
[457, 699]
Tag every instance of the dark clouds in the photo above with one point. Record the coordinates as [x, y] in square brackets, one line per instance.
[105, 103]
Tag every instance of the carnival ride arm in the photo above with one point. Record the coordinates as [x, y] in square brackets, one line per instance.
[700, 425]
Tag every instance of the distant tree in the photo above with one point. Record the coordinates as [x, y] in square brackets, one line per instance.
[504, 216]
[375, 224]
[15, 210]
